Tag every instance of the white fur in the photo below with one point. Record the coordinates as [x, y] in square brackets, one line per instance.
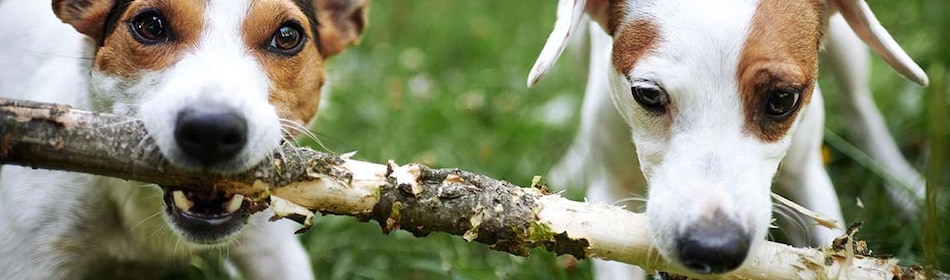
[62, 225]
[230, 77]
[696, 157]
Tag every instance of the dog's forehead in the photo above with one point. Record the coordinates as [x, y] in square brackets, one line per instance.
[718, 56]
[231, 38]
[676, 29]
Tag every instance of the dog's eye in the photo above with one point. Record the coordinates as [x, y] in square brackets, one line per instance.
[288, 39]
[149, 27]
[781, 103]
[650, 96]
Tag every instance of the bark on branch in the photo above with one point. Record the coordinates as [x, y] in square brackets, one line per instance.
[412, 197]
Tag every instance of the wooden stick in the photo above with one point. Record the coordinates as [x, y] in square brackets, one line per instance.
[413, 197]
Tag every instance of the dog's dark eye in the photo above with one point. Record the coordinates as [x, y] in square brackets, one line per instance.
[781, 103]
[288, 39]
[149, 27]
[650, 96]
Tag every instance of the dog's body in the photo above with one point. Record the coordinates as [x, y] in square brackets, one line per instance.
[214, 82]
[716, 95]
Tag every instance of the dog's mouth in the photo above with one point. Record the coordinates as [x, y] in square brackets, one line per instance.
[205, 217]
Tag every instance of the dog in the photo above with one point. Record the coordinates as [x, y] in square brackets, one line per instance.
[710, 98]
[218, 85]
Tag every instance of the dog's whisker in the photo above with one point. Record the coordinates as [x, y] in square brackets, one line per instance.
[287, 136]
[177, 243]
[656, 258]
[133, 227]
[139, 150]
[221, 254]
[792, 216]
[157, 231]
[305, 131]
[632, 198]
[227, 253]
[282, 153]
[143, 142]
[60, 55]
[154, 155]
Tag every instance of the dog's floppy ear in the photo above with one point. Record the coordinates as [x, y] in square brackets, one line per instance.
[86, 16]
[569, 14]
[865, 24]
[340, 23]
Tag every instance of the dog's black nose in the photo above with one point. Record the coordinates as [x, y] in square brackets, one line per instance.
[713, 247]
[210, 135]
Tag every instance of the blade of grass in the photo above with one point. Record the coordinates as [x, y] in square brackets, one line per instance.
[935, 166]
[865, 160]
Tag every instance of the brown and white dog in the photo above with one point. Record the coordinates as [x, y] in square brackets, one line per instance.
[218, 85]
[714, 95]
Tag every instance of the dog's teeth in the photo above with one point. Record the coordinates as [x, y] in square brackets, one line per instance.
[234, 203]
[181, 201]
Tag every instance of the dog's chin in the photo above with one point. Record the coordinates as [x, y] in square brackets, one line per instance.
[205, 218]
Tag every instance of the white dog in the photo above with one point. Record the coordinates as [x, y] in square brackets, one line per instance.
[714, 95]
[214, 81]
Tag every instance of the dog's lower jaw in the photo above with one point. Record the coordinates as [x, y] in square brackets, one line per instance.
[205, 218]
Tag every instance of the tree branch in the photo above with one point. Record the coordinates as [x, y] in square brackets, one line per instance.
[413, 197]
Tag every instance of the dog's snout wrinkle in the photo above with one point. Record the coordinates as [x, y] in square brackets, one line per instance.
[713, 246]
[211, 135]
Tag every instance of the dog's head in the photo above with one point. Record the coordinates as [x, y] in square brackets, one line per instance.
[213, 81]
[713, 91]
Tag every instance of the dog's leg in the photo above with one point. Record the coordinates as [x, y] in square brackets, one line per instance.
[850, 65]
[803, 177]
[270, 250]
[602, 157]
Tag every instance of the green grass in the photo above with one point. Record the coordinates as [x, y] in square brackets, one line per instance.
[443, 83]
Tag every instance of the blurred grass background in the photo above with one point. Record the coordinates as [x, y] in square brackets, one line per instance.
[443, 83]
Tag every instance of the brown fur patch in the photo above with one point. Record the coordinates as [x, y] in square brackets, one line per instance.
[616, 13]
[295, 80]
[631, 43]
[607, 13]
[341, 23]
[781, 52]
[86, 16]
[123, 56]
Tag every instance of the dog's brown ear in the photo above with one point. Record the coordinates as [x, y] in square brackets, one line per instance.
[599, 11]
[341, 22]
[86, 16]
